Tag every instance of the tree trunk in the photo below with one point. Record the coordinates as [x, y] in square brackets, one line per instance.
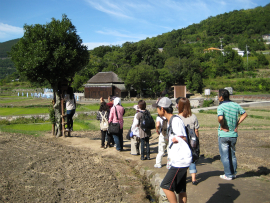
[57, 111]
[53, 129]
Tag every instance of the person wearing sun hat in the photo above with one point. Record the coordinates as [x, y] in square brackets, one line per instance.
[117, 118]
[163, 138]
[179, 153]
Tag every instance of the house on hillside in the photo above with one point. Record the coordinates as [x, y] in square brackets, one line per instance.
[212, 49]
[240, 53]
[104, 84]
[266, 38]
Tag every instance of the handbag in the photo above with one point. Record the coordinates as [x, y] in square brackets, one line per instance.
[128, 134]
[114, 128]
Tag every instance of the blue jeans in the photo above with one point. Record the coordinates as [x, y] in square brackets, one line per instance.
[227, 155]
[118, 139]
[192, 168]
[145, 141]
[70, 114]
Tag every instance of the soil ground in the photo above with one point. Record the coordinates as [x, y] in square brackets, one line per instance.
[76, 169]
[46, 170]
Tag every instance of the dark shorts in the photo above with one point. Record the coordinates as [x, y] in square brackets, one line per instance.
[175, 180]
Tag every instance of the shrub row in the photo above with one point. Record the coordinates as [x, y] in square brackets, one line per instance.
[240, 85]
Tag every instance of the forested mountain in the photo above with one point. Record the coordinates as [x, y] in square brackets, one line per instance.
[183, 58]
[7, 67]
[5, 47]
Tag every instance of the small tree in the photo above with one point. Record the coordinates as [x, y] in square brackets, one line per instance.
[52, 52]
[141, 77]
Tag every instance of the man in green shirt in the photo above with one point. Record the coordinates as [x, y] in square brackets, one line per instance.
[228, 112]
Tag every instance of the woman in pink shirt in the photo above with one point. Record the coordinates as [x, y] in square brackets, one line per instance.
[118, 138]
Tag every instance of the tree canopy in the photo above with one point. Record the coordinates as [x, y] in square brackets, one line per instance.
[52, 52]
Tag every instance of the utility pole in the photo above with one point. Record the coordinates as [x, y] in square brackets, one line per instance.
[222, 52]
[247, 55]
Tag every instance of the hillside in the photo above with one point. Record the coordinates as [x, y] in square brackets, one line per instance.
[183, 58]
[5, 47]
[7, 67]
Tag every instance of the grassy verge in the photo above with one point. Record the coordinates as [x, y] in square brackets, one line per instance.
[38, 129]
[15, 111]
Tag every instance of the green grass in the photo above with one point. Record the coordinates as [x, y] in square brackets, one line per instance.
[88, 107]
[249, 93]
[40, 128]
[208, 119]
[129, 105]
[28, 127]
[12, 99]
[22, 111]
[258, 118]
[95, 107]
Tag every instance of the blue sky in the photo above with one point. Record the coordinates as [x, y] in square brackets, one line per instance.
[114, 22]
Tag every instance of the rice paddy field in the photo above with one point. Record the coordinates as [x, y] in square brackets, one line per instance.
[258, 119]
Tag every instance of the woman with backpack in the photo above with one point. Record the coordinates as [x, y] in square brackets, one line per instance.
[189, 118]
[102, 116]
[144, 133]
[116, 116]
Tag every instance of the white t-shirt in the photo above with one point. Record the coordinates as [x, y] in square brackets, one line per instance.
[70, 103]
[180, 153]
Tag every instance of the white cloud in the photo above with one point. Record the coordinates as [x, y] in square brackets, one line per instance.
[110, 8]
[10, 29]
[7, 30]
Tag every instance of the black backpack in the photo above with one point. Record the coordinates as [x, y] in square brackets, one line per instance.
[192, 140]
[147, 121]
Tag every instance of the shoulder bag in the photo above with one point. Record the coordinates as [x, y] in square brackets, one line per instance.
[114, 128]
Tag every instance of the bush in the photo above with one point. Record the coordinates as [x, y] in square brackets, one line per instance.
[207, 103]
[52, 114]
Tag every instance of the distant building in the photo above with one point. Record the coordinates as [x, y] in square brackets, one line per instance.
[212, 49]
[104, 84]
[266, 38]
[160, 49]
[240, 53]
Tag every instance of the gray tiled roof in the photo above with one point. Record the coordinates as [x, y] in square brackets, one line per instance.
[105, 77]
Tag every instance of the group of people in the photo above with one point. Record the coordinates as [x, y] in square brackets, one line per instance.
[173, 138]
[179, 154]
[112, 112]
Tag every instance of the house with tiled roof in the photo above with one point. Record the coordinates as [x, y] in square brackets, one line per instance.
[104, 84]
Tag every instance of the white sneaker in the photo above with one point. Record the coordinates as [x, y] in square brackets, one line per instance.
[225, 177]
[157, 166]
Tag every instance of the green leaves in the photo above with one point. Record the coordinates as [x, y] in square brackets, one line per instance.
[51, 52]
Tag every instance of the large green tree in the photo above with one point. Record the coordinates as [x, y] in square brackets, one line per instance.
[52, 52]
